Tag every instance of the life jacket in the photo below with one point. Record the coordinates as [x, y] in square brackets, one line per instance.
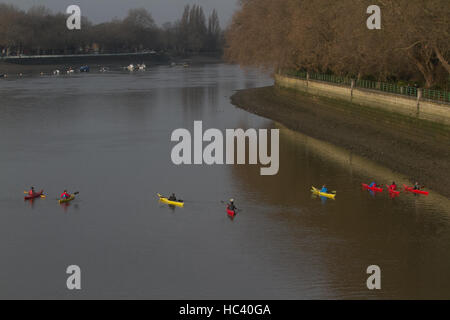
[65, 195]
[31, 192]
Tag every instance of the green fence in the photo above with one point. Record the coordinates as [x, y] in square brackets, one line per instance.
[331, 78]
[411, 91]
[442, 96]
[387, 87]
[297, 74]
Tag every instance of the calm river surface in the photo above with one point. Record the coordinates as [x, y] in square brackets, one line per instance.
[108, 136]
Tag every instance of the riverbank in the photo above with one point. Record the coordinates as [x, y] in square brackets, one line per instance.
[425, 104]
[419, 149]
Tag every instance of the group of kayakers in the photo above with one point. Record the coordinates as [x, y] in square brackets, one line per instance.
[393, 186]
[231, 207]
[374, 187]
[64, 195]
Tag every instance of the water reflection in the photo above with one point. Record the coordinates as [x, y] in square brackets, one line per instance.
[361, 227]
[108, 135]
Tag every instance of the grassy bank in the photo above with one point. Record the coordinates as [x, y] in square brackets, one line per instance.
[416, 148]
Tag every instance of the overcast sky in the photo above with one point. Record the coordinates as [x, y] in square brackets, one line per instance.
[161, 10]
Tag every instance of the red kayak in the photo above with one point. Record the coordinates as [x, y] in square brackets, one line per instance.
[392, 191]
[411, 189]
[35, 195]
[231, 213]
[372, 188]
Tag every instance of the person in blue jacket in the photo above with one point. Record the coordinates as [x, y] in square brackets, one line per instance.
[373, 185]
[324, 189]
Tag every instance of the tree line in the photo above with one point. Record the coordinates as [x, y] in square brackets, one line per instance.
[38, 31]
[329, 36]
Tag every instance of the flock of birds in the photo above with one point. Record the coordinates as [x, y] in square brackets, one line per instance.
[70, 70]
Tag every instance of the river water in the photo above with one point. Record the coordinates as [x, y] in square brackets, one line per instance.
[108, 136]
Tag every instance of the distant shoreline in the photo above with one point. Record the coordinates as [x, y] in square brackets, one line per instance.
[41, 59]
[36, 65]
[83, 58]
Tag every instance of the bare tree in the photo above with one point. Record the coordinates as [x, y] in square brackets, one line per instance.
[331, 36]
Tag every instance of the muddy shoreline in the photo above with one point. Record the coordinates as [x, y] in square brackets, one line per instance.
[415, 148]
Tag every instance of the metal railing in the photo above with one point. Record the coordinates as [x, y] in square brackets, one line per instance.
[406, 90]
[436, 95]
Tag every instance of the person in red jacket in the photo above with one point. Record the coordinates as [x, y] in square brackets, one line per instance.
[31, 192]
[393, 186]
[65, 195]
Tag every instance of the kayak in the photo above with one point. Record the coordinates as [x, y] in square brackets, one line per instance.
[72, 197]
[411, 189]
[392, 191]
[178, 203]
[231, 213]
[35, 195]
[372, 188]
[323, 194]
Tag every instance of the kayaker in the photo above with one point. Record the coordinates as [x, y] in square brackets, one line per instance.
[373, 185]
[416, 186]
[231, 205]
[65, 195]
[324, 189]
[172, 197]
[393, 186]
[31, 192]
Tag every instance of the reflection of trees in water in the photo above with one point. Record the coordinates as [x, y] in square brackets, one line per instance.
[355, 231]
[193, 100]
[293, 182]
[197, 100]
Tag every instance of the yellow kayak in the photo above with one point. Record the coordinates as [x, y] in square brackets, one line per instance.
[173, 203]
[322, 194]
[72, 197]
